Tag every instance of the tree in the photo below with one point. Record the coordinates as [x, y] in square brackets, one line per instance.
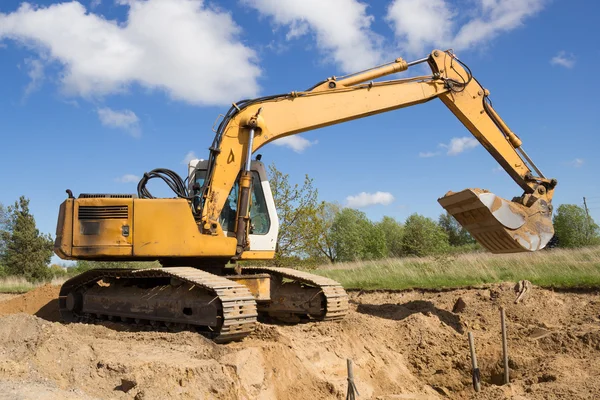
[322, 244]
[573, 228]
[457, 235]
[3, 227]
[375, 243]
[392, 232]
[296, 207]
[423, 237]
[356, 238]
[27, 251]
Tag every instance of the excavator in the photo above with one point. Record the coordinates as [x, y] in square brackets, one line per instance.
[224, 211]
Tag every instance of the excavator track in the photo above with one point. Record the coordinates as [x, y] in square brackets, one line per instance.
[334, 300]
[217, 307]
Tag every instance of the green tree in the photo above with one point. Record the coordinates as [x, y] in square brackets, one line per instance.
[457, 235]
[57, 271]
[392, 231]
[3, 227]
[296, 208]
[573, 228]
[423, 237]
[27, 251]
[322, 244]
[375, 243]
[356, 238]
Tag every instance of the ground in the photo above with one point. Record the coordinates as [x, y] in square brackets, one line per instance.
[404, 345]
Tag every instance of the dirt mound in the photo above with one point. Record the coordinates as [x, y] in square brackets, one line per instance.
[42, 302]
[7, 296]
[406, 345]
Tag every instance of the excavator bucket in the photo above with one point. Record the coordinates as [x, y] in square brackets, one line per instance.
[499, 225]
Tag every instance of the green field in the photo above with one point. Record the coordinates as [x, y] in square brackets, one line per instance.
[578, 268]
[550, 268]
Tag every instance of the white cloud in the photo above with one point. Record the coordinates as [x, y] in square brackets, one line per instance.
[497, 170]
[563, 59]
[95, 3]
[429, 154]
[365, 199]
[418, 23]
[183, 47]
[459, 145]
[341, 27]
[124, 119]
[189, 157]
[421, 25]
[36, 75]
[295, 142]
[128, 178]
[578, 162]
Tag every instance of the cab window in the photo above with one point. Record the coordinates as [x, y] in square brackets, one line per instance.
[259, 216]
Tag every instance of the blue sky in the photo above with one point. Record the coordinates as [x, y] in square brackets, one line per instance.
[95, 93]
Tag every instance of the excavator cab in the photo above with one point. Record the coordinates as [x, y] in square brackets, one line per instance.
[264, 226]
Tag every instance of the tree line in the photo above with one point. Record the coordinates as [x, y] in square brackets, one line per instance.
[314, 231]
[311, 232]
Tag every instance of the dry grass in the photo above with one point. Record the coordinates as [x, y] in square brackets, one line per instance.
[551, 268]
[555, 268]
[17, 284]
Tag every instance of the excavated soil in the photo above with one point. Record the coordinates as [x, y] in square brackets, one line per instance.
[408, 345]
[7, 296]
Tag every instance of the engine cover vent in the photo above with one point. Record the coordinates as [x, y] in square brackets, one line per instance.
[107, 196]
[103, 212]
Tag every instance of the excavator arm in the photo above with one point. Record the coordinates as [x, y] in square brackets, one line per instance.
[499, 225]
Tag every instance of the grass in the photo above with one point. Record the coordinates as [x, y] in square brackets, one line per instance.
[14, 284]
[578, 268]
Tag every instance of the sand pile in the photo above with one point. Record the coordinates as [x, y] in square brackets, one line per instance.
[404, 346]
[42, 302]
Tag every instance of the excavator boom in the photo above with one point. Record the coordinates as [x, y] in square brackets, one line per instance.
[499, 225]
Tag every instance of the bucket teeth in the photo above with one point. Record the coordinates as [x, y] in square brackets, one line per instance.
[499, 225]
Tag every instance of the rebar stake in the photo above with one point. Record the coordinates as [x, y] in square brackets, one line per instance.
[504, 345]
[352, 391]
[476, 374]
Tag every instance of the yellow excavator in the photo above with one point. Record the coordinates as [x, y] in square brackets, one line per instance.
[224, 211]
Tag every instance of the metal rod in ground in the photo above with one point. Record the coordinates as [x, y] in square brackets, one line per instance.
[352, 391]
[476, 374]
[504, 345]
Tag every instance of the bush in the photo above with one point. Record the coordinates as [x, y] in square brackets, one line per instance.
[356, 238]
[392, 232]
[423, 237]
[57, 271]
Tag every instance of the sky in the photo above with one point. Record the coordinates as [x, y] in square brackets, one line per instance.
[95, 93]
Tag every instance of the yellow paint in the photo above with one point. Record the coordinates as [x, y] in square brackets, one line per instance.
[257, 255]
[166, 228]
[64, 230]
[259, 285]
[111, 230]
[122, 252]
